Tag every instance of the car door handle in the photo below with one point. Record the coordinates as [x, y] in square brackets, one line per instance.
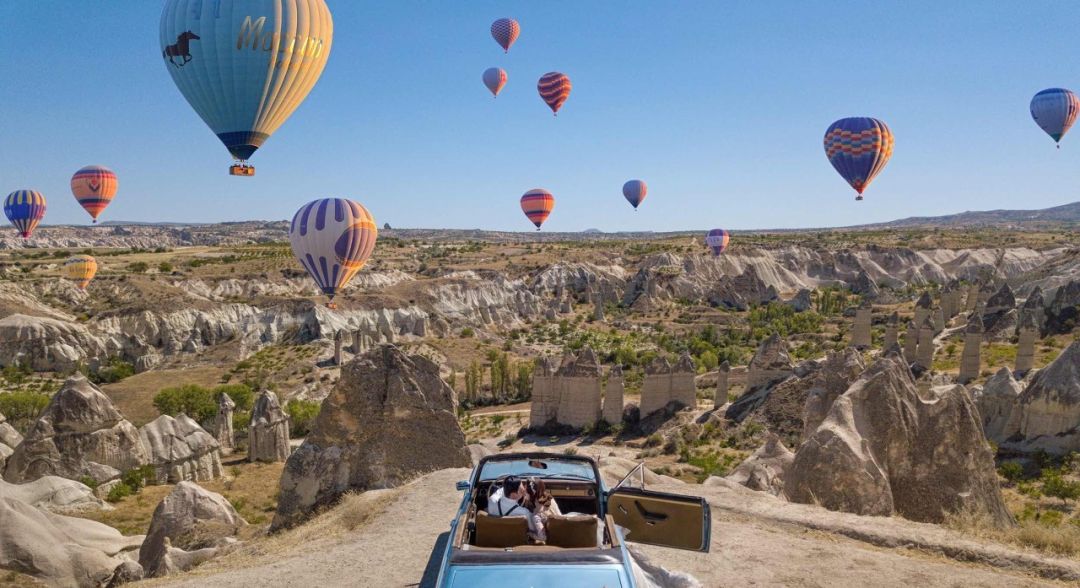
[650, 517]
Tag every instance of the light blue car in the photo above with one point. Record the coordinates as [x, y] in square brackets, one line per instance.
[585, 548]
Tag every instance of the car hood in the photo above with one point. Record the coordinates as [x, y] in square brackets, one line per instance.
[534, 576]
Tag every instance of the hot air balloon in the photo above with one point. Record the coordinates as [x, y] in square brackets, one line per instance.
[554, 88]
[505, 31]
[1055, 110]
[245, 65]
[81, 269]
[332, 238]
[717, 240]
[94, 187]
[635, 191]
[494, 79]
[25, 209]
[858, 148]
[537, 205]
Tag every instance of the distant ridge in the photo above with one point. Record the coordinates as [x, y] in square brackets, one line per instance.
[1066, 213]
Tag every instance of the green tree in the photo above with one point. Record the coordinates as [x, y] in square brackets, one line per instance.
[195, 401]
[165, 267]
[1011, 471]
[139, 267]
[302, 414]
[1055, 485]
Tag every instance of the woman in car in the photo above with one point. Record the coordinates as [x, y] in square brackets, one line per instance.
[542, 506]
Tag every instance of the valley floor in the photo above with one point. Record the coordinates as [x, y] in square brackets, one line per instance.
[398, 545]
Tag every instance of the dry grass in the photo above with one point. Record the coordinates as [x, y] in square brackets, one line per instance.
[1062, 539]
[9, 579]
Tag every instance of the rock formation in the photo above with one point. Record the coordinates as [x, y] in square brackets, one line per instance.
[939, 320]
[865, 286]
[665, 383]
[1050, 405]
[764, 470]
[268, 433]
[924, 356]
[911, 341]
[742, 291]
[223, 424]
[1063, 314]
[580, 397]
[1025, 345]
[598, 311]
[9, 440]
[79, 434]
[891, 331]
[999, 316]
[613, 397]
[999, 406]
[721, 394]
[971, 358]
[839, 371]
[181, 450]
[54, 494]
[61, 550]
[389, 419]
[801, 301]
[187, 528]
[1033, 311]
[883, 450]
[923, 306]
[860, 331]
[544, 405]
[339, 345]
[770, 363]
[972, 301]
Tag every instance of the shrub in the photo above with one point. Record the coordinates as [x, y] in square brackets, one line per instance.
[1011, 471]
[112, 371]
[1055, 486]
[138, 478]
[165, 267]
[22, 408]
[139, 267]
[89, 481]
[119, 492]
[467, 332]
[195, 401]
[302, 415]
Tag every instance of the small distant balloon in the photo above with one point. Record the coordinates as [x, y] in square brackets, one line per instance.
[94, 187]
[505, 31]
[537, 204]
[80, 269]
[25, 209]
[494, 79]
[333, 239]
[1055, 110]
[717, 240]
[554, 88]
[858, 148]
[634, 191]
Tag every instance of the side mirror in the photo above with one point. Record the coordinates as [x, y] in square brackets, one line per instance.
[463, 485]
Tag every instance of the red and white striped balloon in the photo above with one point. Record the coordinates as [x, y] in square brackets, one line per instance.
[505, 31]
[554, 88]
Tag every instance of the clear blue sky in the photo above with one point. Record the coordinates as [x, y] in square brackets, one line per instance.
[720, 107]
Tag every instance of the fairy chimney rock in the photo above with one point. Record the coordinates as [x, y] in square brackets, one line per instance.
[720, 398]
[613, 396]
[580, 395]
[924, 356]
[860, 332]
[268, 433]
[770, 363]
[223, 423]
[891, 328]
[970, 359]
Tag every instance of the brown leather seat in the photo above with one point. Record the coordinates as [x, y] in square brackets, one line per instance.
[500, 531]
[572, 531]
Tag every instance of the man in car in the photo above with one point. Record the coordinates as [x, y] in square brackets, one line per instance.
[506, 502]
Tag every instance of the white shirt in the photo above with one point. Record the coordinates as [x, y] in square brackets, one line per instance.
[501, 506]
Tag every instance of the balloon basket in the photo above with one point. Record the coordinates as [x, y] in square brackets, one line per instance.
[331, 305]
[858, 198]
[241, 169]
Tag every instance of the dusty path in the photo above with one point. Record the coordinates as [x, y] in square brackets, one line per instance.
[394, 549]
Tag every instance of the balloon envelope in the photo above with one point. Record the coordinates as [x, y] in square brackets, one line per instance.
[25, 209]
[494, 79]
[245, 65]
[1055, 110]
[537, 204]
[80, 269]
[505, 31]
[717, 240]
[634, 191]
[858, 148]
[554, 89]
[333, 239]
[94, 187]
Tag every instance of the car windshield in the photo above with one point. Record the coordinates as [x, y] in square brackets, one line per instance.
[544, 468]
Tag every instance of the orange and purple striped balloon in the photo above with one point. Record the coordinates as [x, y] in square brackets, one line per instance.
[494, 78]
[537, 204]
[94, 187]
[333, 239]
[25, 209]
[717, 240]
[634, 191]
[505, 31]
[554, 88]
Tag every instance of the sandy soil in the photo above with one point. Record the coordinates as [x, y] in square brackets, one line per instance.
[400, 547]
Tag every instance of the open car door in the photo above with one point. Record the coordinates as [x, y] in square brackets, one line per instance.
[659, 518]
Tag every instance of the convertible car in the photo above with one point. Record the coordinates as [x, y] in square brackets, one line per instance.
[585, 547]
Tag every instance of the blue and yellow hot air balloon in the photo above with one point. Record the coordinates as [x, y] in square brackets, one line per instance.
[1055, 110]
[634, 191]
[245, 65]
[25, 209]
[858, 148]
[717, 240]
[333, 239]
